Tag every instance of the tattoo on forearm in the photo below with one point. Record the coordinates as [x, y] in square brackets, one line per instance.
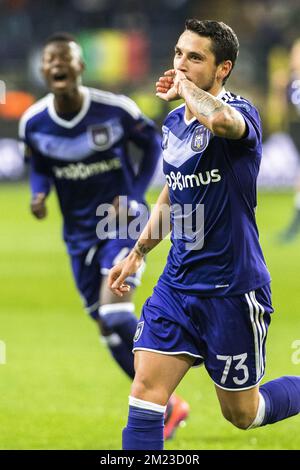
[205, 104]
[141, 249]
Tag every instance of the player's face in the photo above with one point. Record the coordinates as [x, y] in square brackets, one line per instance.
[62, 66]
[194, 57]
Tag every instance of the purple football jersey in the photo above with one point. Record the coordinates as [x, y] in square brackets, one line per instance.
[219, 254]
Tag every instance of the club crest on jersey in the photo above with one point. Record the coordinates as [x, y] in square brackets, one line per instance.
[139, 331]
[99, 136]
[200, 139]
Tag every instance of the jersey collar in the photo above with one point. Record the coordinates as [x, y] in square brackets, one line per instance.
[76, 119]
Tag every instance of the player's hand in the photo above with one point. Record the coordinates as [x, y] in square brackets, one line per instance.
[178, 80]
[38, 207]
[118, 274]
[165, 86]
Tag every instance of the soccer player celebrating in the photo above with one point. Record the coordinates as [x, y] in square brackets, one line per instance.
[76, 138]
[212, 303]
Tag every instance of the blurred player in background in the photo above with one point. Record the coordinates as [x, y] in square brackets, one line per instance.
[292, 119]
[212, 303]
[76, 139]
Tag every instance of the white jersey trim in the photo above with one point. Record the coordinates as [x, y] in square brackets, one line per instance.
[189, 121]
[63, 122]
[121, 101]
[36, 108]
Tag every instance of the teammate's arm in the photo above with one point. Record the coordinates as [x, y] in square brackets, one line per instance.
[154, 232]
[148, 140]
[220, 118]
[40, 184]
[143, 133]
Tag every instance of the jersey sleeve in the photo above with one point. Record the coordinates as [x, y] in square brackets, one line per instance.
[253, 134]
[40, 180]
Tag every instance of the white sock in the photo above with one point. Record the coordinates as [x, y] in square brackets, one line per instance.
[146, 405]
[260, 413]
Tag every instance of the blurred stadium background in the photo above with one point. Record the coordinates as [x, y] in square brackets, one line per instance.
[57, 389]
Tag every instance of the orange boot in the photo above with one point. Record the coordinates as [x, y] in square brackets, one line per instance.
[177, 412]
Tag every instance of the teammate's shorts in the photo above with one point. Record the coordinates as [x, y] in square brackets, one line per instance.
[89, 267]
[226, 334]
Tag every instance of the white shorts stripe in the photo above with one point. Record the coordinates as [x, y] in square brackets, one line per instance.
[259, 330]
[255, 334]
[264, 330]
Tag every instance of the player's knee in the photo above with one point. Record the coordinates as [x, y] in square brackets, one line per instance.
[142, 384]
[146, 388]
[241, 419]
[139, 389]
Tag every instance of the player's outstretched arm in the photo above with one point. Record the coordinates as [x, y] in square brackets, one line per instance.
[157, 228]
[220, 118]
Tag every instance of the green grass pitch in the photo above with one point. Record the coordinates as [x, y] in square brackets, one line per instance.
[59, 388]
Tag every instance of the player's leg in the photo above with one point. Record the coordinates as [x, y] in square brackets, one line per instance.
[88, 278]
[271, 402]
[236, 362]
[157, 376]
[239, 407]
[165, 349]
[117, 316]
[117, 323]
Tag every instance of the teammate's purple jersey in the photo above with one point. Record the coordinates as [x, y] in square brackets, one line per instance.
[293, 114]
[87, 157]
[220, 174]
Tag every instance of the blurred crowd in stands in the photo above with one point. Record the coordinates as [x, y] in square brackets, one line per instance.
[107, 28]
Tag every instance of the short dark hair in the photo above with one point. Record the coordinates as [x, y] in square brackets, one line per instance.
[60, 36]
[225, 44]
